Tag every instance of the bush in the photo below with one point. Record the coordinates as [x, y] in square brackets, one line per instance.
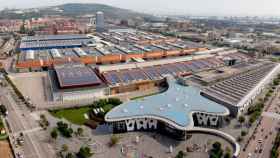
[103, 102]
[243, 133]
[258, 107]
[217, 146]
[241, 119]
[216, 151]
[64, 129]
[80, 131]
[3, 109]
[114, 101]
[180, 154]
[254, 117]
[84, 152]
[227, 155]
[54, 133]
[239, 139]
[114, 140]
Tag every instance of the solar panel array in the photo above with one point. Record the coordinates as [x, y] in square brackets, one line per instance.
[76, 76]
[160, 71]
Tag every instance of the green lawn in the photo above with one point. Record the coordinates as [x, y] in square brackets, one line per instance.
[75, 116]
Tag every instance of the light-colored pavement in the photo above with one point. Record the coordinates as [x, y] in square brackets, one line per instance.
[271, 115]
[20, 122]
[261, 142]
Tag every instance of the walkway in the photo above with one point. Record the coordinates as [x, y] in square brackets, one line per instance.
[226, 136]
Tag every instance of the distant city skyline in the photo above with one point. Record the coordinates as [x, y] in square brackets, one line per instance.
[198, 7]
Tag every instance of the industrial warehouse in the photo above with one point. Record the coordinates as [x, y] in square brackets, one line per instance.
[194, 85]
[43, 52]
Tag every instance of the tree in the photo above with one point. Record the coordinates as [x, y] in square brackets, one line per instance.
[239, 139]
[114, 101]
[241, 119]
[227, 155]
[43, 117]
[80, 131]
[180, 154]
[64, 129]
[216, 151]
[54, 133]
[243, 133]
[64, 148]
[3, 109]
[44, 123]
[84, 152]
[114, 140]
[217, 145]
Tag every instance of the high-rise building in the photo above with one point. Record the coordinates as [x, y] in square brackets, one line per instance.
[100, 24]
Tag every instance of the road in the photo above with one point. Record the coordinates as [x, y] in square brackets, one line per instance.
[262, 140]
[20, 120]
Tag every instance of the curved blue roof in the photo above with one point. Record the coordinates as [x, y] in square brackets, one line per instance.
[174, 106]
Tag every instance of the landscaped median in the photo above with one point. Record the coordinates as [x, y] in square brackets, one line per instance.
[84, 115]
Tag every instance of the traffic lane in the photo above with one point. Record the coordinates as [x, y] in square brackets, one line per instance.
[268, 142]
[12, 118]
[20, 114]
[262, 130]
[28, 148]
[40, 142]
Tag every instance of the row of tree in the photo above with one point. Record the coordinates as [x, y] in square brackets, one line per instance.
[274, 153]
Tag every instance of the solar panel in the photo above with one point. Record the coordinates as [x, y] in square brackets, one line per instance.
[204, 62]
[192, 67]
[126, 77]
[76, 76]
[152, 73]
[112, 78]
[198, 64]
[138, 75]
[163, 71]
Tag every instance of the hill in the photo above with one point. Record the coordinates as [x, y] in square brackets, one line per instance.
[71, 9]
[75, 9]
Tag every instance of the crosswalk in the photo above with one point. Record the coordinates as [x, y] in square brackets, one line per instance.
[29, 131]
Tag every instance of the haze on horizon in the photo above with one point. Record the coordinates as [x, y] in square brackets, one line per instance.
[197, 7]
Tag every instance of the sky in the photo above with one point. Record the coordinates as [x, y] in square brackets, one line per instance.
[194, 7]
